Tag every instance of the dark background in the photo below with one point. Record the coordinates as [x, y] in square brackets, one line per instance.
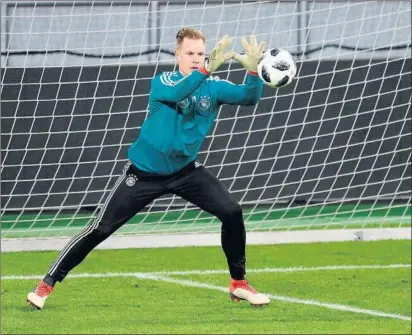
[340, 132]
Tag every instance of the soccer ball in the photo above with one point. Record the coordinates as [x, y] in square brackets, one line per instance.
[277, 68]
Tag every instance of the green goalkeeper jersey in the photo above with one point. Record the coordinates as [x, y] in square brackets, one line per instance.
[182, 110]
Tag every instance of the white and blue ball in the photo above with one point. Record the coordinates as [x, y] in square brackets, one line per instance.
[277, 68]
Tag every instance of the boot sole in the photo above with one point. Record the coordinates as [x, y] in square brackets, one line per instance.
[33, 305]
[237, 299]
[32, 299]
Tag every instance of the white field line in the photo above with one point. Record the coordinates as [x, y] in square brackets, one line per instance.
[285, 299]
[207, 272]
[161, 276]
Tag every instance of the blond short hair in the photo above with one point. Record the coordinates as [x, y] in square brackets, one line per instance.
[190, 33]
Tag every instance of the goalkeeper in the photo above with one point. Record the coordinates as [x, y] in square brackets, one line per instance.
[182, 109]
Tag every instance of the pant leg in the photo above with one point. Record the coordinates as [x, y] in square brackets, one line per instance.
[128, 196]
[206, 191]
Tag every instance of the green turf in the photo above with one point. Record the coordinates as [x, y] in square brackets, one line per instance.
[130, 305]
[262, 218]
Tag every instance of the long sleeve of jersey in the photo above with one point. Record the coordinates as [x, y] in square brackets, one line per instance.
[246, 94]
[167, 88]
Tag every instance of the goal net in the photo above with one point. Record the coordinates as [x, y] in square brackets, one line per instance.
[331, 150]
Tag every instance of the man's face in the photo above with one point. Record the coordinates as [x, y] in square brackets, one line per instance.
[190, 55]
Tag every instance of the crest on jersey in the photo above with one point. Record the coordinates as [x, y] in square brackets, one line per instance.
[204, 103]
[131, 180]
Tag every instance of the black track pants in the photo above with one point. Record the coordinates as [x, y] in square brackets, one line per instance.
[135, 189]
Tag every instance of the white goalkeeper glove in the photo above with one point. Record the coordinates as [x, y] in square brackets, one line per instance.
[253, 52]
[217, 57]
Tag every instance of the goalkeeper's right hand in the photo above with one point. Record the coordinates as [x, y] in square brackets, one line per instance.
[217, 57]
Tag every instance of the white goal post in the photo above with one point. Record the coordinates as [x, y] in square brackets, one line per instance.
[330, 151]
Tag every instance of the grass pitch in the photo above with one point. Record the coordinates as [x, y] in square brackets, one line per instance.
[315, 288]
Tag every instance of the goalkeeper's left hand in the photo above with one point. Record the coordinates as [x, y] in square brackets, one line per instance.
[253, 51]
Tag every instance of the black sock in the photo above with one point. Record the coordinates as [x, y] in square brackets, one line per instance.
[49, 280]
